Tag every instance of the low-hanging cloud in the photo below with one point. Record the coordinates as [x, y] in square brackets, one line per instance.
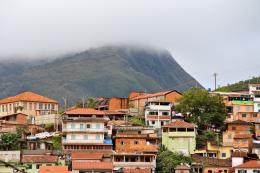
[204, 36]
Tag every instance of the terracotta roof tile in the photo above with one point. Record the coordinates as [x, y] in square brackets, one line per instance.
[92, 165]
[179, 123]
[146, 170]
[162, 117]
[84, 111]
[149, 95]
[54, 169]
[250, 164]
[238, 122]
[40, 159]
[76, 155]
[207, 161]
[242, 136]
[27, 96]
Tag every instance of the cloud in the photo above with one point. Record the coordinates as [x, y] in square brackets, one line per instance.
[204, 36]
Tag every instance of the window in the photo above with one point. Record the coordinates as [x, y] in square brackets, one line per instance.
[45, 106]
[30, 106]
[165, 113]
[29, 166]
[88, 126]
[81, 126]
[86, 137]
[122, 142]
[73, 137]
[256, 171]
[40, 106]
[38, 166]
[162, 123]
[98, 126]
[97, 137]
[52, 106]
[241, 171]
[172, 129]
[136, 142]
[243, 115]
[254, 114]
[72, 126]
[234, 128]
[153, 122]
[190, 130]
[223, 155]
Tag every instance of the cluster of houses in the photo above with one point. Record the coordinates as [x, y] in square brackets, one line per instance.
[103, 139]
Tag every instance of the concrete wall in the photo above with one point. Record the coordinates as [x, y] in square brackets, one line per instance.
[10, 156]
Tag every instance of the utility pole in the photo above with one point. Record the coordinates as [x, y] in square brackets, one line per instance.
[215, 78]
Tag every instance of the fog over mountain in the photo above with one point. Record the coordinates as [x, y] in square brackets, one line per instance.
[104, 71]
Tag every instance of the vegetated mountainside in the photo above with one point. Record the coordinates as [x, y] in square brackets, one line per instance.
[105, 71]
[240, 86]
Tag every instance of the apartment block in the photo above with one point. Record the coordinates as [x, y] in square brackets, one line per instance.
[85, 129]
[157, 113]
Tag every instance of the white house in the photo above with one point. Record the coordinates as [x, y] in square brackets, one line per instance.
[157, 113]
[252, 166]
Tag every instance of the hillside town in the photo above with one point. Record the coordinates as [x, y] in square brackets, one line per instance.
[142, 133]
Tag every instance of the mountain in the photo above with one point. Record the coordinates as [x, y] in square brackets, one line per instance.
[240, 86]
[105, 71]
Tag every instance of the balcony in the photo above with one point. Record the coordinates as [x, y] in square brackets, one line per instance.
[104, 130]
[158, 107]
[135, 164]
[83, 141]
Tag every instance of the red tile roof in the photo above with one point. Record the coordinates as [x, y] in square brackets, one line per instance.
[179, 123]
[250, 164]
[149, 95]
[76, 155]
[54, 169]
[27, 96]
[146, 170]
[162, 117]
[84, 111]
[40, 159]
[92, 165]
[242, 136]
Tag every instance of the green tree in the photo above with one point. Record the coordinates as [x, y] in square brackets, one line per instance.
[167, 161]
[88, 103]
[56, 142]
[137, 121]
[202, 108]
[9, 141]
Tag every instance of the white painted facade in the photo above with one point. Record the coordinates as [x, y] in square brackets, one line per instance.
[156, 110]
[247, 170]
[237, 161]
[96, 136]
[254, 91]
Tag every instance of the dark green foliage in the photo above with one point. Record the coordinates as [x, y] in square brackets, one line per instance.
[49, 127]
[167, 161]
[9, 141]
[240, 86]
[106, 71]
[205, 136]
[137, 121]
[203, 109]
[56, 142]
[88, 103]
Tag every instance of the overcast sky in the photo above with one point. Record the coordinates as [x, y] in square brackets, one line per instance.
[204, 36]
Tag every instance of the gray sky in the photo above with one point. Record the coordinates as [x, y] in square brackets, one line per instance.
[204, 36]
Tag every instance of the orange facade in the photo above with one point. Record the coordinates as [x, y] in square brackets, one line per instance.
[117, 103]
[132, 145]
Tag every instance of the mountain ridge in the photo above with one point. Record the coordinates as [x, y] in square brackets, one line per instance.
[105, 71]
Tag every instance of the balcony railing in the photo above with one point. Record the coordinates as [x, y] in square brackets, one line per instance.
[135, 164]
[83, 141]
[84, 130]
